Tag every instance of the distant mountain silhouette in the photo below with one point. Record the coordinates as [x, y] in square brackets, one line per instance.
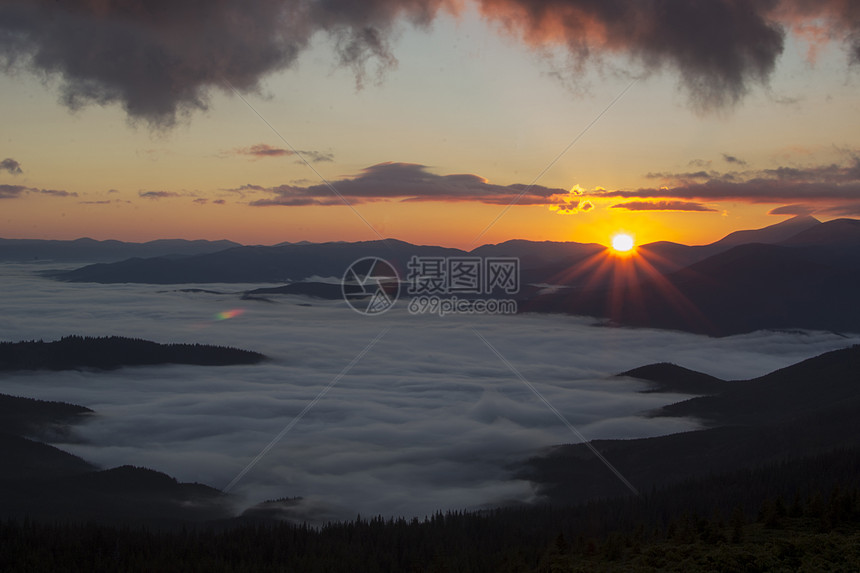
[286, 263]
[748, 287]
[799, 273]
[307, 288]
[811, 386]
[668, 257]
[673, 378]
[836, 233]
[772, 234]
[86, 249]
[804, 410]
[540, 261]
[72, 352]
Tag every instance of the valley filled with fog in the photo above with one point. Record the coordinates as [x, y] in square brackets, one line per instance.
[429, 419]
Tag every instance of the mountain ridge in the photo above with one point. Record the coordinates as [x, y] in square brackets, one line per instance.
[811, 419]
[806, 281]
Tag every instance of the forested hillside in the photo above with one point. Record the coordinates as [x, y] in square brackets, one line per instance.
[111, 352]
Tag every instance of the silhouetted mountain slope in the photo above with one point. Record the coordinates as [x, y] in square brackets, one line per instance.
[812, 386]
[835, 233]
[673, 378]
[27, 416]
[804, 410]
[25, 460]
[110, 352]
[538, 253]
[668, 257]
[746, 288]
[120, 495]
[91, 250]
[770, 235]
[39, 481]
[127, 479]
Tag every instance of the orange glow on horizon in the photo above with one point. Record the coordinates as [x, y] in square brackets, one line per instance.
[126, 216]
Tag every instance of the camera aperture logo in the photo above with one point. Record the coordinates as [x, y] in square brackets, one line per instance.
[370, 285]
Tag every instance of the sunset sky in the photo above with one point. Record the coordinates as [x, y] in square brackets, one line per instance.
[669, 120]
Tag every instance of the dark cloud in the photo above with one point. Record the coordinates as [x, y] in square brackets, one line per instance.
[157, 194]
[845, 210]
[248, 187]
[719, 48]
[663, 206]
[200, 201]
[564, 205]
[567, 208]
[685, 175]
[262, 150]
[754, 191]
[832, 184]
[849, 209]
[819, 22]
[15, 191]
[11, 166]
[102, 202]
[792, 210]
[833, 173]
[57, 193]
[408, 182]
[219, 201]
[159, 60]
[12, 191]
[733, 159]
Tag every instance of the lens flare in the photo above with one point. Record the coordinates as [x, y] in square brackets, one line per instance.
[228, 314]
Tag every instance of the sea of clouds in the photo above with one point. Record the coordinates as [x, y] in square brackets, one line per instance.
[429, 419]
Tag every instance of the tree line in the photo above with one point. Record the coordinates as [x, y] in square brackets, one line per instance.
[700, 525]
[110, 352]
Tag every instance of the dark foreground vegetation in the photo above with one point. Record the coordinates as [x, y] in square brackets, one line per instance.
[819, 531]
[110, 352]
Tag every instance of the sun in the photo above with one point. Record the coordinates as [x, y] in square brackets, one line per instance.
[622, 243]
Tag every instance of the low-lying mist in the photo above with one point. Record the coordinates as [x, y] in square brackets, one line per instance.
[428, 419]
